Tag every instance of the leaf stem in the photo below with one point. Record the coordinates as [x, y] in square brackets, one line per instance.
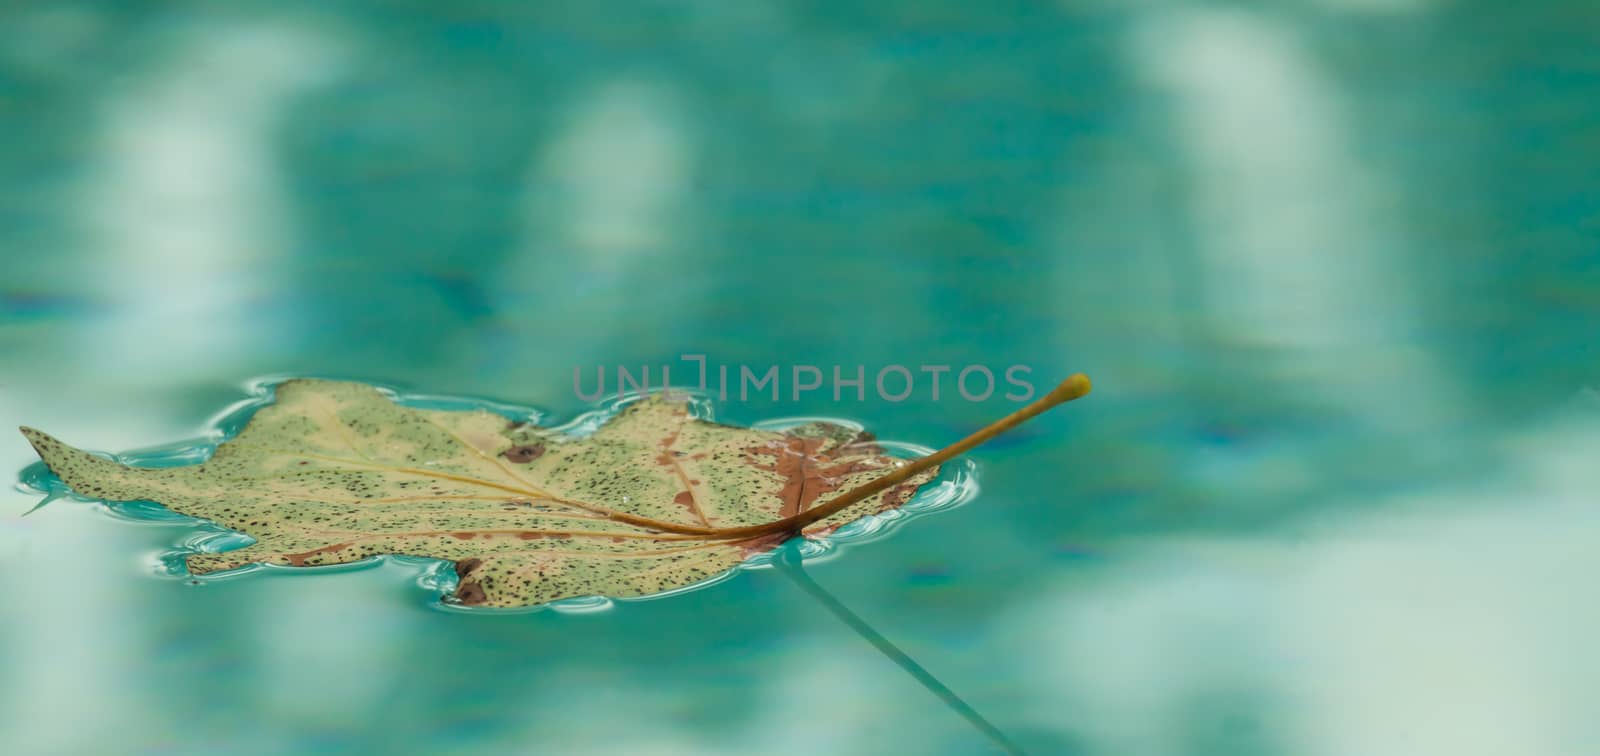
[1074, 387]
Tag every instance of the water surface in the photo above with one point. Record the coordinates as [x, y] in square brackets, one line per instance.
[1331, 264]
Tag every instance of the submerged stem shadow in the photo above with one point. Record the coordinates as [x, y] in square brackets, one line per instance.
[788, 563]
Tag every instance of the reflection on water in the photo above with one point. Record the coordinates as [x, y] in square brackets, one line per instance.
[1331, 264]
[1454, 622]
[183, 209]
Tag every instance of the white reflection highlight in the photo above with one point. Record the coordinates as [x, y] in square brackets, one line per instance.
[1294, 248]
[304, 628]
[1457, 622]
[825, 696]
[617, 171]
[844, 688]
[185, 226]
[653, 717]
[187, 214]
[604, 214]
[69, 673]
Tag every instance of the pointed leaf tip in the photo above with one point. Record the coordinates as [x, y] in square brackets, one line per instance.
[33, 435]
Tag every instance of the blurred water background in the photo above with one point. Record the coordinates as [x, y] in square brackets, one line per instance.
[1334, 266]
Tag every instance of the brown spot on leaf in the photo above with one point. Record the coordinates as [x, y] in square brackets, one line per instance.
[666, 455]
[470, 594]
[524, 454]
[761, 545]
[898, 495]
[798, 462]
[864, 442]
[464, 566]
[299, 560]
[464, 535]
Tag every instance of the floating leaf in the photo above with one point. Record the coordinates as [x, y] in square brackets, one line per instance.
[654, 500]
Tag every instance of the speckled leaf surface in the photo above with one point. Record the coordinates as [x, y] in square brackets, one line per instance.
[335, 472]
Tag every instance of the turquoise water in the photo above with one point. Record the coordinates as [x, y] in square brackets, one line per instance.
[1332, 266]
